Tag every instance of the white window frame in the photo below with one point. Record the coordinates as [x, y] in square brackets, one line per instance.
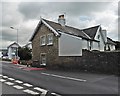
[50, 39]
[41, 58]
[42, 43]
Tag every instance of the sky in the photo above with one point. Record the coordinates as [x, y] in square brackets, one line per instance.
[25, 15]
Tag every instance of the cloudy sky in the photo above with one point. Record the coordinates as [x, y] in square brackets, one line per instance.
[25, 16]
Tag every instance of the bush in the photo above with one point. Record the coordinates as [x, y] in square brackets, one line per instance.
[24, 53]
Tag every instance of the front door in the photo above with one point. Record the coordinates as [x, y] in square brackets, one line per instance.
[43, 59]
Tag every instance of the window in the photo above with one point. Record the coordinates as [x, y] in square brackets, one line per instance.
[98, 37]
[49, 39]
[42, 40]
[43, 58]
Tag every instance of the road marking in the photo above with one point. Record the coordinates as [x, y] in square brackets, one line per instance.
[17, 81]
[45, 73]
[18, 87]
[30, 92]
[82, 80]
[28, 85]
[11, 79]
[57, 76]
[70, 78]
[2, 80]
[5, 76]
[9, 83]
[44, 92]
[55, 94]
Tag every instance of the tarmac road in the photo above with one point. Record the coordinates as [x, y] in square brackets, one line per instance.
[61, 82]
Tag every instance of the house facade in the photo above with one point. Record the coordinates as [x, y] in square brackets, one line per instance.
[28, 45]
[110, 45]
[56, 43]
[12, 50]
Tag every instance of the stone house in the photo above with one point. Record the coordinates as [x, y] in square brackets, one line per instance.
[57, 43]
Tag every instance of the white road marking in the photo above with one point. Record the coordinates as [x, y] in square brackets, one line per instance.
[44, 92]
[45, 73]
[82, 80]
[18, 87]
[9, 83]
[58, 76]
[30, 92]
[5, 76]
[17, 81]
[55, 94]
[70, 78]
[28, 85]
[11, 79]
[2, 80]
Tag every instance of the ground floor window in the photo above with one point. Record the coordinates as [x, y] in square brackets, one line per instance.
[43, 58]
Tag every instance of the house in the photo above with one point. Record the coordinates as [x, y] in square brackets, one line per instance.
[28, 45]
[110, 45]
[52, 41]
[12, 50]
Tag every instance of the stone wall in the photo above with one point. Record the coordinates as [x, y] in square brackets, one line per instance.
[51, 51]
[91, 61]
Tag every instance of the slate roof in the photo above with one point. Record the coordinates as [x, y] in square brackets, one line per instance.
[13, 44]
[91, 32]
[66, 29]
[88, 33]
[110, 41]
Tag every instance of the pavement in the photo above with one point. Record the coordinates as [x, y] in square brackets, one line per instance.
[24, 67]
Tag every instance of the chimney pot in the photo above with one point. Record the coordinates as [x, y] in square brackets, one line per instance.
[61, 20]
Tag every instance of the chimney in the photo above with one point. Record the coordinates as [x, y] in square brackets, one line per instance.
[61, 20]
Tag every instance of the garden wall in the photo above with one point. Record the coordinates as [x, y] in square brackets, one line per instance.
[91, 61]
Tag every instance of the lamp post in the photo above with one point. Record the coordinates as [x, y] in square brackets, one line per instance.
[17, 39]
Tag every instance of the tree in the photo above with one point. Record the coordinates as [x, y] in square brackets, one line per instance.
[24, 53]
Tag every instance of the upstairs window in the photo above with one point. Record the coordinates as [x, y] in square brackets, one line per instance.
[42, 40]
[49, 39]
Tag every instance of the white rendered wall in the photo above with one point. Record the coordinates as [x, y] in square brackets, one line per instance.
[0, 54]
[70, 45]
[95, 46]
[85, 44]
[112, 47]
[102, 45]
[9, 53]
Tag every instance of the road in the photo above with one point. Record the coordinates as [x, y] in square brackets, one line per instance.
[56, 83]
